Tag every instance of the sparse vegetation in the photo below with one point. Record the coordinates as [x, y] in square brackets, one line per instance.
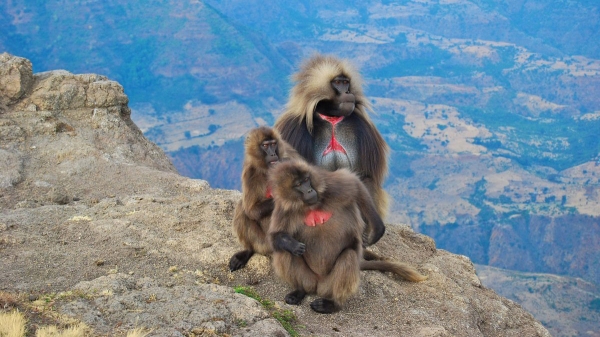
[138, 332]
[286, 318]
[12, 324]
[22, 315]
[78, 330]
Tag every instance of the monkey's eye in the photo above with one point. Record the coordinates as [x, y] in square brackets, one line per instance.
[265, 146]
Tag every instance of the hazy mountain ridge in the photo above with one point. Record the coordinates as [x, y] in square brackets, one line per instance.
[491, 108]
[567, 306]
[163, 47]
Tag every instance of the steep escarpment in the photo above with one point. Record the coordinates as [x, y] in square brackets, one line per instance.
[97, 227]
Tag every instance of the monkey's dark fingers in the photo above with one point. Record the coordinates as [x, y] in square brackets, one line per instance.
[299, 249]
[295, 297]
[266, 208]
[323, 306]
[240, 259]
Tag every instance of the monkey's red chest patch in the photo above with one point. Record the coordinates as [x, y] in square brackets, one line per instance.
[268, 194]
[316, 217]
[333, 145]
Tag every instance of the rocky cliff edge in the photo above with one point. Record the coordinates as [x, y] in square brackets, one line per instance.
[97, 227]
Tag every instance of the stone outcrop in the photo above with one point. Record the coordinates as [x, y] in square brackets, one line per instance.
[15, 78]
[94, 212]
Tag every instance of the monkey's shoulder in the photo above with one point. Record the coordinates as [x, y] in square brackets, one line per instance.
[341, 183]
[291, 124]
[252, 173]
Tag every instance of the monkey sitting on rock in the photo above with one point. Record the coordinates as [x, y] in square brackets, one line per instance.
[326, 120]
[317, 232]
[263, 149]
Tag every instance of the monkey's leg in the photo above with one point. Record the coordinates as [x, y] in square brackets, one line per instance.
[294, 271]
[254, 237]
[251, 235]
[340, 283]
[240, 259]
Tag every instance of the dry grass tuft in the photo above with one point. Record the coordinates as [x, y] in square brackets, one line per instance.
[12, 324]
[138, 332]
[78, 330]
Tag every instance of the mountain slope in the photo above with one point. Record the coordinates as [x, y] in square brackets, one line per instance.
[96, 227]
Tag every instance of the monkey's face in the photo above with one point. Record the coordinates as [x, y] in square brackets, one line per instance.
[303, 186]
[269, 148]
[344, 101]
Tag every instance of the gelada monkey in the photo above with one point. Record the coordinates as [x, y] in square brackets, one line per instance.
[263, 149]
[317, 232]
[326, 121]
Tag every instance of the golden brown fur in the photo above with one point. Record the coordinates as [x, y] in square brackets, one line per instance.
[330, 265]
[298, 128]
[312, 86]
[403, 270]
[253, 212]
[325, 259]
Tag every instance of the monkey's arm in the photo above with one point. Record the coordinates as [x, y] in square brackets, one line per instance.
[279, 234]
[256, 205]
[284, 241]
[372, 151]
[369, 212]
[260, 209]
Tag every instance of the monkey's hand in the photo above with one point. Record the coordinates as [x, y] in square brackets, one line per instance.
[284, 241]
[265, 208]
[299, 249]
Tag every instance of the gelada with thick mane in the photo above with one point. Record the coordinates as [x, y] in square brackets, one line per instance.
[326, 120]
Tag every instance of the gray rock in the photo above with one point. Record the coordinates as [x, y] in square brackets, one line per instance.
[169, 311]
[11, 168]
[16, 77]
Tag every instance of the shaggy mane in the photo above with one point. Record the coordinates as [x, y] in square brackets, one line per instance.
[313, 85]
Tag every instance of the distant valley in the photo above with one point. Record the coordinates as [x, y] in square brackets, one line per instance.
[491, 109]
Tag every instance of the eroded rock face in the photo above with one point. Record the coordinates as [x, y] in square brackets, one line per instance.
[69, 128]
[91, 208]
[16, 76]
[61, 90]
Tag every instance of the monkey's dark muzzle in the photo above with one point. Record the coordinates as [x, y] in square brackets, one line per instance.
[347, 104]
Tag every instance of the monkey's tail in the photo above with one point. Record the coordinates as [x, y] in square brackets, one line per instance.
[370, 256]
[403, 270]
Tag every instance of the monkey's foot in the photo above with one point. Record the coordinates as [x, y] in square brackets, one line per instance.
[295, 297]
[323, 306]
[240, 259]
